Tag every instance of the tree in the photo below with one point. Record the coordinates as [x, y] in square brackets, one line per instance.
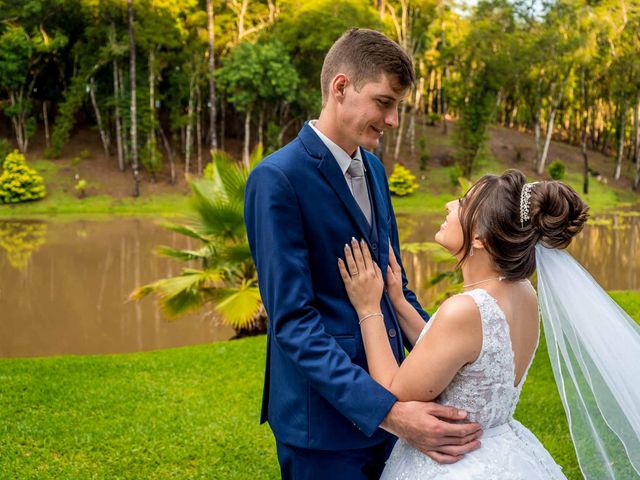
[242, 79]
[486, 69]
[132, 80]
[20, 57]
[227, 278]
[212, 81]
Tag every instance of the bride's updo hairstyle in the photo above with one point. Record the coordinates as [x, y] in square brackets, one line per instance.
[491, 210]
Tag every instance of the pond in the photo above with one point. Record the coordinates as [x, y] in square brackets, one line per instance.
[64, 289]
[608, 247]
[64, 284]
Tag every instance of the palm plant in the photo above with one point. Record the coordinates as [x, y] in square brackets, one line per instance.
[226, 280]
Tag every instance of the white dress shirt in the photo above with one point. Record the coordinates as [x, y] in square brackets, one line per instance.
[342, 157]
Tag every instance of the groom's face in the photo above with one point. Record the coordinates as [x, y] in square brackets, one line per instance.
[368, 111]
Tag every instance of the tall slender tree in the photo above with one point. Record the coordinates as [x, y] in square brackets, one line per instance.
[134, 123]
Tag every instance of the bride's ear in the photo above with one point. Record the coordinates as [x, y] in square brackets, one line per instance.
[476, 243]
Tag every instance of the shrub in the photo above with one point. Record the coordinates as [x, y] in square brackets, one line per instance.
[557, 170]
[402, 181]
[18, 182]
[424, 153]
[81, 188]
[455, 173]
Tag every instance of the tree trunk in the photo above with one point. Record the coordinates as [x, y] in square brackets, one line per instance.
[116, 93]
[636, 141]
[199, 130]
[247, 137]
[152, 114]
[431, 92]
[396, 152]
[45, 117]
[584, 125]
[17, 120]
[189, 133]
[134, 123]
[443, 94]
[261, 125]
[623, 121]
[554, 109]
[547, 142]
[223, 119]
[167, 147]
[212, 82]
[126, 151]
[104, 134]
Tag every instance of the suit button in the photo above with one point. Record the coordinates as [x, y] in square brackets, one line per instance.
[392, 332]
[374, 246]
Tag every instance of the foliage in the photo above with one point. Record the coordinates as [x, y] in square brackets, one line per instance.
[455, 174]
[5, 148]
[242, 76]
[81, 188]
[557, 170]
[424, 153]
[227, 279]
[65, 120]
[402, 181]
[21, 239]
[308, 28]
[19, 182]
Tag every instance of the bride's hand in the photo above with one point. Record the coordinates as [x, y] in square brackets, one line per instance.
[394, 279]
[362, 278]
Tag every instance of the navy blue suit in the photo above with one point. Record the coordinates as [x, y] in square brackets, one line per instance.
[299, 213]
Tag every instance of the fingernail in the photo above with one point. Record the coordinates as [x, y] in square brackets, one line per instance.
[353, 239]
[462, 413]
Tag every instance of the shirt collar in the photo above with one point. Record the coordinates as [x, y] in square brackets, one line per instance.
[342, 157]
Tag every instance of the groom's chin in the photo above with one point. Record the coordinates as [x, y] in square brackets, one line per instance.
[370, 144]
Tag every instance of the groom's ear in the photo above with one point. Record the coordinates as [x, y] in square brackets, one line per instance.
[338, 86]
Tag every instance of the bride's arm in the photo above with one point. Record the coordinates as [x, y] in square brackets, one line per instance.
[453, 340]
[411, 322]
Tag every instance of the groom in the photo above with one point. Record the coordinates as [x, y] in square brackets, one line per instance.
[303, 203]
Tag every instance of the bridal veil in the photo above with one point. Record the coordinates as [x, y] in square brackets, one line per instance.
[594, 347]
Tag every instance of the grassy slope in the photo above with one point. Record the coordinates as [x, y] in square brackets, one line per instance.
[62, 199]
[109, 191]
[183, 413]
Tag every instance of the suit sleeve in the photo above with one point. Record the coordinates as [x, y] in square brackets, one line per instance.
[279, 248]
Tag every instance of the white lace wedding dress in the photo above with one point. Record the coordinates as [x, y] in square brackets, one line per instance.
[485, 389]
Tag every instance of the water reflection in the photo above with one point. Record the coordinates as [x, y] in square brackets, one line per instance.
[607, 247]
[64, 286]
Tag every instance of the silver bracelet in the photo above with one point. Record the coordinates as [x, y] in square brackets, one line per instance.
[369, 316]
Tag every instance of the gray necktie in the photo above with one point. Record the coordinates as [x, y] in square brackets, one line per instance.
[359, 187]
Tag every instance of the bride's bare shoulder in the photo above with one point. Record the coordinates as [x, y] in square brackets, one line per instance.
[459, 310]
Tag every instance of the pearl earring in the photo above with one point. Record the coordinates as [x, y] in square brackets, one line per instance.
[471, 251]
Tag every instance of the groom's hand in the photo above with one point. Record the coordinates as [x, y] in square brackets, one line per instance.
[427, 427]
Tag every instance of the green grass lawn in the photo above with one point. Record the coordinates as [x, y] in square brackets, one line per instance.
[183, 413]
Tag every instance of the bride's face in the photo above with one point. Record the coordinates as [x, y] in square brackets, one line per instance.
[450, 233]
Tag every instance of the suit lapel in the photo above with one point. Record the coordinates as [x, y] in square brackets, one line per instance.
[328, 167]
[332, 173]
[379, 210]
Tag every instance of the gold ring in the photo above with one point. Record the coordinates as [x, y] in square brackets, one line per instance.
[355, 273]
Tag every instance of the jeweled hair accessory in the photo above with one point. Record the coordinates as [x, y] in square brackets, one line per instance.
[525, 198]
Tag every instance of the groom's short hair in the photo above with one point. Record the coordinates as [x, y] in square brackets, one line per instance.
[364, 55]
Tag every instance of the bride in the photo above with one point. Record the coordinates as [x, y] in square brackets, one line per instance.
[475, 351]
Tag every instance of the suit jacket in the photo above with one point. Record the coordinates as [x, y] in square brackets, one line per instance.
[299, 213]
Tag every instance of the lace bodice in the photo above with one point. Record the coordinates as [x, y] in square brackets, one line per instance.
[485, 388]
